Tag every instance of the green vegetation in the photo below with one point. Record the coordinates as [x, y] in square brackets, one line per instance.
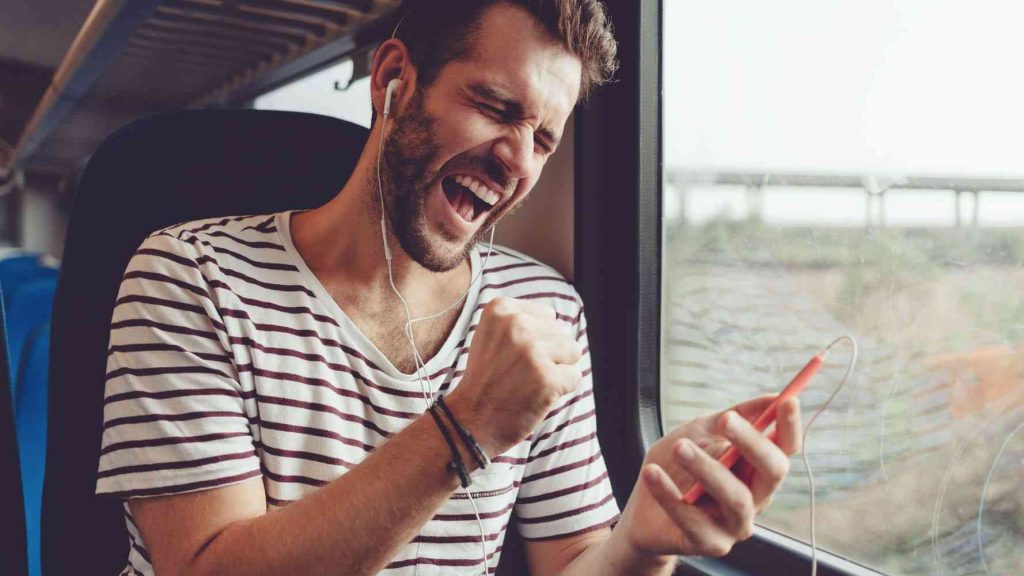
[972, 270]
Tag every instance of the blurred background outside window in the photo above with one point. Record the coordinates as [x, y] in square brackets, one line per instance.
[855, 168]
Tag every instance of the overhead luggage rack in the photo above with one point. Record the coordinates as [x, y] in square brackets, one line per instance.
[137, 57]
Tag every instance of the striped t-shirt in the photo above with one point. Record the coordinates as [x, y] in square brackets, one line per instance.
[228, 361]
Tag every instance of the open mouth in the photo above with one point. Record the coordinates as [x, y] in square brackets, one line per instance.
[469, 198]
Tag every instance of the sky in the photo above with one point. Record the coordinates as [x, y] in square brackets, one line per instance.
[897, 87]
[928, 86]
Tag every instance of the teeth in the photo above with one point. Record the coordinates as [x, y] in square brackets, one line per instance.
[479, 189]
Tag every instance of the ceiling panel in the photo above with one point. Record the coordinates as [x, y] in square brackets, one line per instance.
[139, 58]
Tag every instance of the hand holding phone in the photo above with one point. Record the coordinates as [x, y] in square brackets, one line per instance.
[766, 418]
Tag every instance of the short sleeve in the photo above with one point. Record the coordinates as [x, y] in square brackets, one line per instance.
[565, 489]
[174, 416]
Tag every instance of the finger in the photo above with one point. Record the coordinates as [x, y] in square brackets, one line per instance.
[734, 499]
[505, 306]
[745, 472]
[562, 351]
[553, 329]
[751, 409]
[567, 378]
[789, 429]
[701, 535]
[535, 309]
[771, 463]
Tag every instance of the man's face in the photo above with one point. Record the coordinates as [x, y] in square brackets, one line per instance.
[467, 150]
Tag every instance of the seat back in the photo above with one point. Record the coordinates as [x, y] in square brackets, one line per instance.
[28, 306]
[15, 269]
[151, 174]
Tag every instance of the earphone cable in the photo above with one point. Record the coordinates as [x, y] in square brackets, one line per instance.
[421, 372]
[807, 429]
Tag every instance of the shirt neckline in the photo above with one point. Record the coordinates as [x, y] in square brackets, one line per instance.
[362, 342]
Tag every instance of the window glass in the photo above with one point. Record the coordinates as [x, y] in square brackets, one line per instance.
[331, 92]
[854, 168]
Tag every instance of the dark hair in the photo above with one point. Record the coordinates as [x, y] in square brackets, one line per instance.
[437, 33]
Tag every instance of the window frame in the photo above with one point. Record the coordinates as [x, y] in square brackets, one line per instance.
[618, 261]
[618, 241]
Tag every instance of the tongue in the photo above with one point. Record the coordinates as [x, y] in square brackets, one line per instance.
[461, 200]
[465, 206]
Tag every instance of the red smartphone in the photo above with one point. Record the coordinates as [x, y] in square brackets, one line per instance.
[765, 419]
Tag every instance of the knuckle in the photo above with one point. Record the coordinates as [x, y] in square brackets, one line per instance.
[575, 378]
[564, 382]
[717, 549]
[576, 351]
[677, 446]
[552, 396]
[538, 377]
[536, 355]
[747, 531]
[519, 332]
[743, 506]
[542, 366]
[780, 471]
[499, 306]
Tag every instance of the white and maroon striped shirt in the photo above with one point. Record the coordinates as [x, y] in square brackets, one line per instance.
[228, 361]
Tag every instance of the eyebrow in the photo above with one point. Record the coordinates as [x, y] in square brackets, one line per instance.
[512, 106]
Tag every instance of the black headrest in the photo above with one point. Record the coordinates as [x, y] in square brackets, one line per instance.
[151, 174]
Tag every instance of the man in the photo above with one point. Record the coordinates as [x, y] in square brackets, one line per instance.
[264, 413]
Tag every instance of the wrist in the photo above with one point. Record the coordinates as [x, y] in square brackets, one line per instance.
[457, 466]
[480, 458]
[467, 419]
[624, 554]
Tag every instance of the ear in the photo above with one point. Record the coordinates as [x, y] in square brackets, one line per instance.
[391, 62]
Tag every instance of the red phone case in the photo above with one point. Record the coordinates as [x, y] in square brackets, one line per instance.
[731, 456]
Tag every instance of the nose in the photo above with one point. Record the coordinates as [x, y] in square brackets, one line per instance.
[515, 150]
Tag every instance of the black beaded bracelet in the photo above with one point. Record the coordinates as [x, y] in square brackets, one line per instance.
[479, 456]
[456, 465]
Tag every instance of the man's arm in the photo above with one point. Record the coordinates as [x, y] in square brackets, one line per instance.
[521, 363]
[592, 554]
[354, 525]
[657, 525]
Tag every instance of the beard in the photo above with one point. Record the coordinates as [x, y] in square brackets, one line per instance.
[407, 182]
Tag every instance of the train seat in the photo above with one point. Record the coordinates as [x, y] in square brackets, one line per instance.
[29, 306]
[150, 174]
[19, 268]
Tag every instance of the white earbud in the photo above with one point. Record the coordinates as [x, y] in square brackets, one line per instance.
[394, 84]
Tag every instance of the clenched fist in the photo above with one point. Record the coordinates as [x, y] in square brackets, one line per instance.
[521, 362]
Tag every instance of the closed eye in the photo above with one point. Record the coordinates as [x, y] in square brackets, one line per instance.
[493, 111]
[503, 115]
[544, 146]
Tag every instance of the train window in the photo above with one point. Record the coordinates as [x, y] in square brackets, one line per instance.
[836, 169]
[337, 90]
